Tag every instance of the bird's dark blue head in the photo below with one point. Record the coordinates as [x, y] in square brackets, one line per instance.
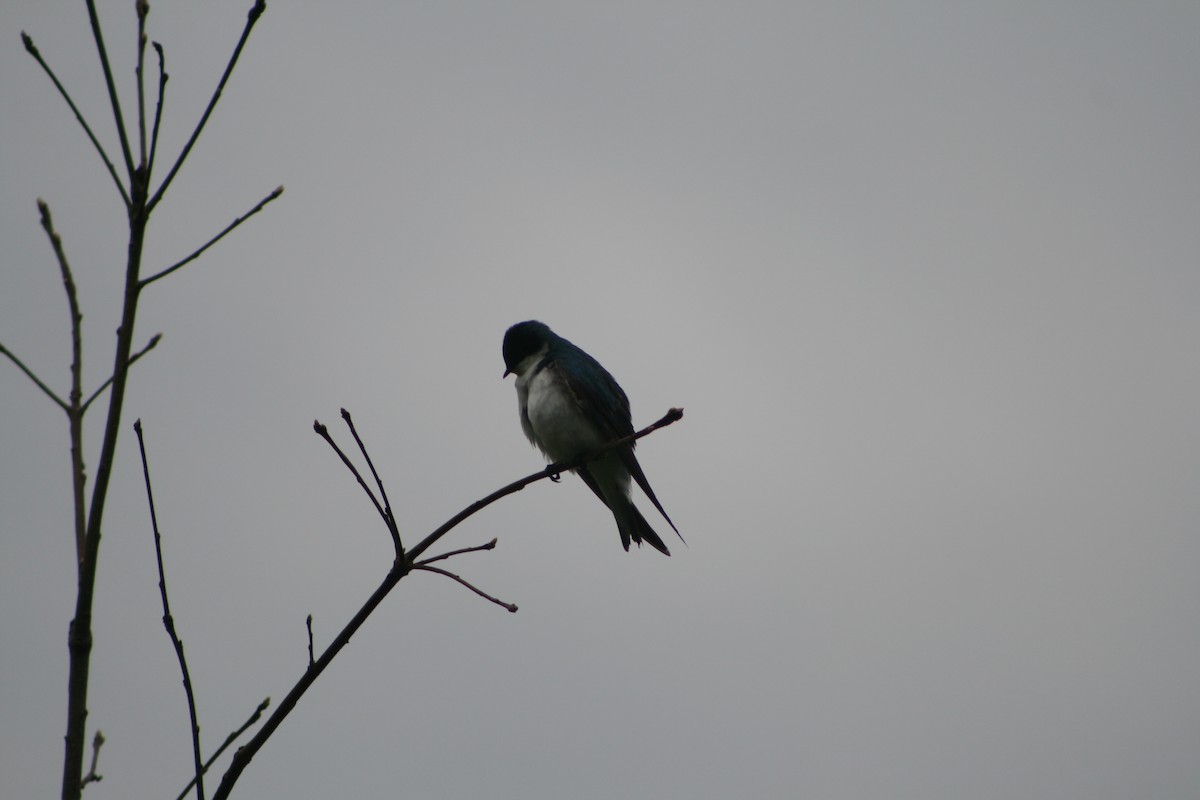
[523, 340]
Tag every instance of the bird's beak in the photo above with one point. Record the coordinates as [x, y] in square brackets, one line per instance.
[507, 372]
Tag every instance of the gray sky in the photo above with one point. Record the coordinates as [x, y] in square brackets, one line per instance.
[924, 277]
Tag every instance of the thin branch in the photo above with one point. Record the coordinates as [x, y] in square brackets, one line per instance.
[58, 401]
[169, 622]
[112, 87]
[510, 606]
[672, 416]
[308, 624]
[246, 753]
[147, 281]
[33, 51]
[259, 7]
[323, 432]
[74, 412]
[93, 776]
[427, 561]
[143, 8]
[230, 739]
[72, 302]
[388, 516]
[162, 89]
[108, 381]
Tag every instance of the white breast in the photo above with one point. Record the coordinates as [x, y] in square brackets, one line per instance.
[556, 424]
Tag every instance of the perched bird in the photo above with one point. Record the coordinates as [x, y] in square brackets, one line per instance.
[569, 406]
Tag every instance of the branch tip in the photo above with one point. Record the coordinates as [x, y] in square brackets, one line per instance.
[30, 48]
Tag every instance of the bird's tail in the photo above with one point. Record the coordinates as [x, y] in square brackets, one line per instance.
[633, 526]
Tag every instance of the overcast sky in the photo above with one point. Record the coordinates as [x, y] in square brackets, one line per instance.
[923, 276]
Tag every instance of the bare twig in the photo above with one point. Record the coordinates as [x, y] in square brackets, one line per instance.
[93, 776]
[230, 739]
[162, 90]
[323, 432]
[489, 546]
[112, 87]
[308, 624]
[169, 621]
[58, 401]
[150, 345]
[196, 254]
[388, 517]
[672, 416]
[510, 606]
[246, 753]
[259, 7]
[33, 51]
[143, 8]
[74, 408]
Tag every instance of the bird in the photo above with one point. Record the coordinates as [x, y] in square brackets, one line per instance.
[570, 405]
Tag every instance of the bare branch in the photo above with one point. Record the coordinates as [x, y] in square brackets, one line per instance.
[74, 412]
[162, 89]
[150, 345]
[308, 624]
[143, 9]
[169, 622]
[259, 7]
[112, 87]
[323, 432]
[33, 377]
[489, 546]
[246, 753]
[672, 416]
[230, 739]
[33, 51]
[92, 776]
[196, 254]
[72, 301]
[388, 517]
[510, 606]
[402, 566]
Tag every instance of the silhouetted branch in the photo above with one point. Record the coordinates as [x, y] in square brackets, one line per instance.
[244, 754]
[388, 517]
[323, 432]
[308, 624]
[169, 621]
[143, 8]
[196, 254]
[93, 776]
[230, 739]
[74, 409]
[33, 51]
[162, 90]
[33, 377]
[259, 7]
[112, 87]
[72, 302]
[150, 345]
[510, 606]
[489, 546]
[672, 416]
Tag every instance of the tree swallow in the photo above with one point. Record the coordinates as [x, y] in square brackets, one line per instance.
[569, 406]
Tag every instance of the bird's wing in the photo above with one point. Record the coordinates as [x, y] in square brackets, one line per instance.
[604, 404]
